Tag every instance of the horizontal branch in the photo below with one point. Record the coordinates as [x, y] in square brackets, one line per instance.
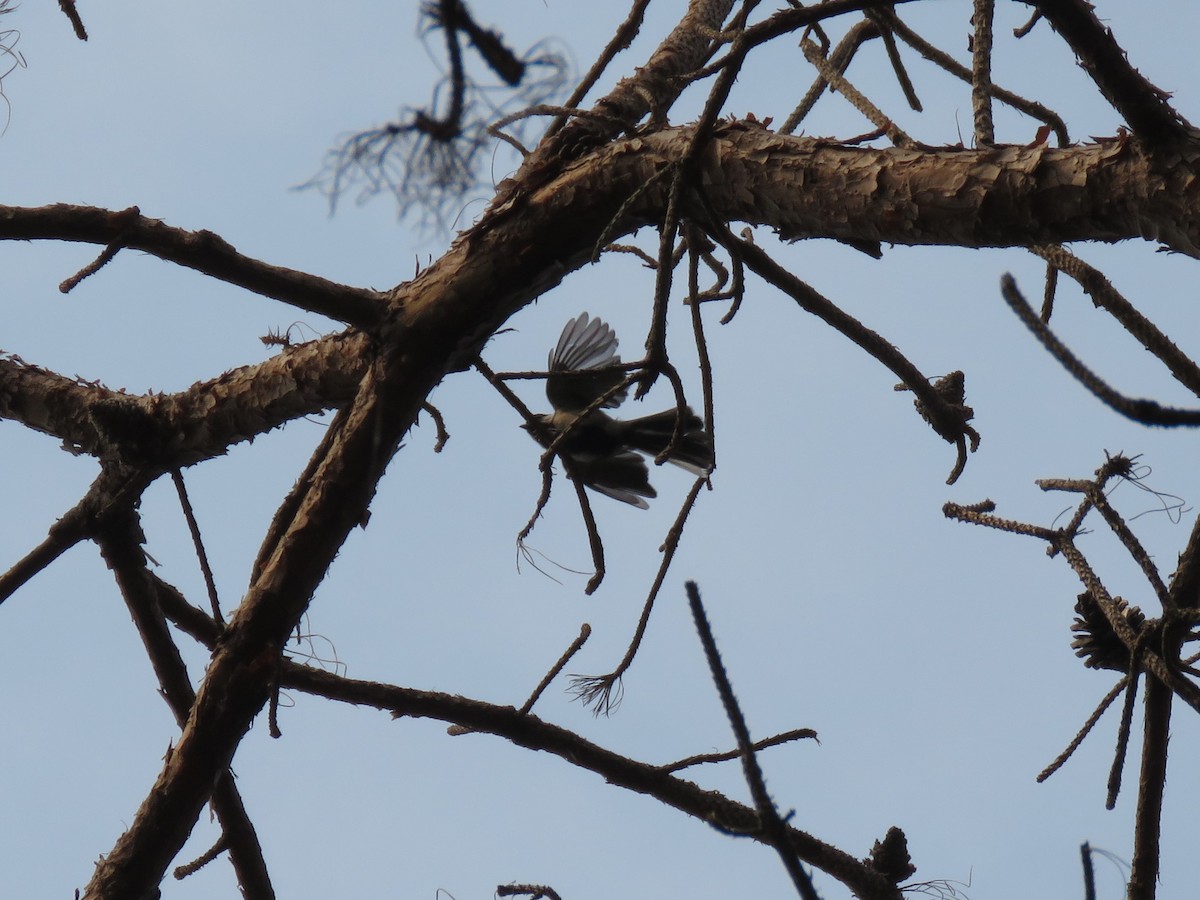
[203, 251]
[166, 431]
[801, 187]
[993, 197]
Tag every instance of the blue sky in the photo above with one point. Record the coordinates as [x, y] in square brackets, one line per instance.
[932, 658]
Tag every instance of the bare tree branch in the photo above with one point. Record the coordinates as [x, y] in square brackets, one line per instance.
[203, 251]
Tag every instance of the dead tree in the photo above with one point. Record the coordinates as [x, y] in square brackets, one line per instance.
[600, 171]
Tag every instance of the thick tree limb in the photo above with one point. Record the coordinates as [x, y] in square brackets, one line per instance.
[120, 542]
[1006, 196]
[173, 430]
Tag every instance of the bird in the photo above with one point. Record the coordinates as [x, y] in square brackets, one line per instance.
[605, 453]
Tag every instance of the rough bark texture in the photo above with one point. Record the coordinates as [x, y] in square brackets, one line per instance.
[600, 177]
[801, 187]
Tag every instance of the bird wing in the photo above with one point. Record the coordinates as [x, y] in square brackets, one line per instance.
[622, 475]
[585, 343]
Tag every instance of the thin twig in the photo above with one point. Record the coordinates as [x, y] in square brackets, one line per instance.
[837, 61]
[597, 691]
[854, 96]
[1148, 412]
[620, 771]
[620, 40]
[1101, 708]
[705, 362]
[1106, 297]
[1122, 748]
[893, 53]
[1129, 540]
[589, 522]
[948, 419]
[769, 821]
[439, 423]
[584, 633]
[981, 73]
[534, 891]
[191, 868]
[198, 542]
[120, 544]
[954, 67]
[774, 741]
[72, 14]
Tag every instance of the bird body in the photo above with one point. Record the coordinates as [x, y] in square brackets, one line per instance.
[604, 452]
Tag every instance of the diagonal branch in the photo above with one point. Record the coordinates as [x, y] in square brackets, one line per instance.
[243, 669]
[529, 731]
[1108, 298]
[769, 823]
[948, 419]
[1144, 107]
[120, 543]
[1148, 412]
[113, 491]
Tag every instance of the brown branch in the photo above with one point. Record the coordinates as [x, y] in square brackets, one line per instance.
[1143, 877]
[1084, 731]
[584, 634]
[202, 251]
[191, 868]
[535, 891]
[855, 97]
[1148, 412]
[535, 734]
[189, 516]
[189, 619]
[1117, 768]
[597, 690]
[954, 67]
[620, 40]
[702, 356]
[112, 493]
[72, 14]
[1144, 107]
[1134, 547]
[837, 61]
[167, 431]
[975, 516]
[1185, 583]
[893, 53]
[786, 21]
[981, 72]
[120, 543]
[660, 80]
[1106, 297]
[949, 420]
[64, 534]
[240, 675]
[773, 741]
[595, 544]
[770, 824]
[439, 423]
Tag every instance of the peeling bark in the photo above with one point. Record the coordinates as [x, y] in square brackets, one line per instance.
[801, 187]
